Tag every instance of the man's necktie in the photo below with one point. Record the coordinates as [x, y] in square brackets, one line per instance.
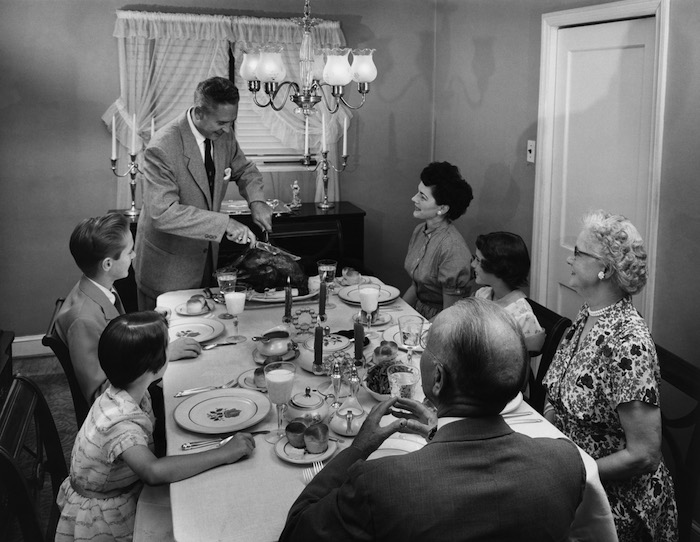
[209, 165]
[118, 302]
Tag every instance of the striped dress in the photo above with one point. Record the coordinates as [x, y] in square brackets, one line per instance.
[98, 499]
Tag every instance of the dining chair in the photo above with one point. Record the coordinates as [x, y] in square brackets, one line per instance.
[681, 435]
[554, 326]
[29, 448]
[6, 339]
[60, 349]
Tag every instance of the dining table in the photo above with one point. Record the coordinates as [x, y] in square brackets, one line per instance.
[249, 500]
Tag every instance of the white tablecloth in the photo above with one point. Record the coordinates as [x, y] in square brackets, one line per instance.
[249, 500]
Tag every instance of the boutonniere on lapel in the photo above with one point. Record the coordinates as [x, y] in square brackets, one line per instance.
[227, 174]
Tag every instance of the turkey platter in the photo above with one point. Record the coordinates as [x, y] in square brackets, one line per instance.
[266, 271]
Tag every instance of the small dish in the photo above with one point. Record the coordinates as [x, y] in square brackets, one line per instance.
[182, 310]
[289, 453]
[383, 319]
[261, 359]
[246, 380]
[199, 329]
[331, 343]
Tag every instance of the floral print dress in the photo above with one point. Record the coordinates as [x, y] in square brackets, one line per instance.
[589, 377]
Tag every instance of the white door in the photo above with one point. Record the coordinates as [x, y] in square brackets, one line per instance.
[602, 122]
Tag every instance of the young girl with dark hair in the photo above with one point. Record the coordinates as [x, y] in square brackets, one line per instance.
[113, 453]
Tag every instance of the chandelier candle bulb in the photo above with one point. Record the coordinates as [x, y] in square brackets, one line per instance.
[114, 138]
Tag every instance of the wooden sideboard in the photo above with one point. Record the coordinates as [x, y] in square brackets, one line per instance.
[308, 232]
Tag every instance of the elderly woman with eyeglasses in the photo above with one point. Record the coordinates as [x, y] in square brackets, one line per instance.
[603, 384]
[438, 258]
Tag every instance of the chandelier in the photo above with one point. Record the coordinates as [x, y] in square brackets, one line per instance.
[265, 65]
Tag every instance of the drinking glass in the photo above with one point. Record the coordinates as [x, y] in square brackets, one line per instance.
[411, 329]
[326, 273]
[403, 380]
[235, 304]
[279, 378]
[227, 283]
[369, 302]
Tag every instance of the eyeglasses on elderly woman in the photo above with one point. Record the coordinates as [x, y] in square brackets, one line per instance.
[578, 253]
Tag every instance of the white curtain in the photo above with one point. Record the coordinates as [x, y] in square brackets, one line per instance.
[163, 56]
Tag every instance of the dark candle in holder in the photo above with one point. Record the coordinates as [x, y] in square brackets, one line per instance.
[322, 301]
[359, 333]
[288, 302]
[317, 367]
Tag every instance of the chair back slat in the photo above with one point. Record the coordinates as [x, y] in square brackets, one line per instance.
[554, 326]
[681, 437]
[53, 341]
[29, 447]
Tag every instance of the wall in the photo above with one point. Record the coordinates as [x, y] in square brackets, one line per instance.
[487, 88]
[59, 74]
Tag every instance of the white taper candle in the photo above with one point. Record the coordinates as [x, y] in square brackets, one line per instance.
[306, 135]
[345, 136]
[323, 133]
[133, 134]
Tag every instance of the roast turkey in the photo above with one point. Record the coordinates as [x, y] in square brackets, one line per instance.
[266, 271]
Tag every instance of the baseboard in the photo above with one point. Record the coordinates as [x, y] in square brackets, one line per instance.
[29, 346]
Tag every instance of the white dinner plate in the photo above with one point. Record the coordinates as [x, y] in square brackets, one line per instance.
[396, 446]
[392, 334]
[221, 411]
[513, 404]
[277, 296]
[331, 343]
[199, 329]
[289, 453]
[351, 295]
[182, 310]
[247, 381]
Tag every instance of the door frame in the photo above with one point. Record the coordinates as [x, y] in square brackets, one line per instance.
[551, 24]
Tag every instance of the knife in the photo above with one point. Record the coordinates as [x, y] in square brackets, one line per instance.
[267, 247]
[216, 441]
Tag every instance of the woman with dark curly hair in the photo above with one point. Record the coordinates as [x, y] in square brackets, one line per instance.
[501, 265]
[438, 257]
[603, 384]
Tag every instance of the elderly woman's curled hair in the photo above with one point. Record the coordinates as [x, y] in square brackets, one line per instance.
[623, 249]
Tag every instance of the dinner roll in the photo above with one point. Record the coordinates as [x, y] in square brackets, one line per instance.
[196, 304]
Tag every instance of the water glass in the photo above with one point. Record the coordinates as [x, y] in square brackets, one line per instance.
[227, 283]
[279, 379]
[235, 305]
[403, 380]
[411, 329]
[326, 273]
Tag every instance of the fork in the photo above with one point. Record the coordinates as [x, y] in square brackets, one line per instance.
[184, 393]
[312, 471]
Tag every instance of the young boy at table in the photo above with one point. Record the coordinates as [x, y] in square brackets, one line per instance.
[103, 249]
[113, 453]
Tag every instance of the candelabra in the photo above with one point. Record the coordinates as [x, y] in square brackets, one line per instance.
[325, 164]
[132, 170]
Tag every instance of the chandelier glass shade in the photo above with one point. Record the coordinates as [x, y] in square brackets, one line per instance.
[263, 68]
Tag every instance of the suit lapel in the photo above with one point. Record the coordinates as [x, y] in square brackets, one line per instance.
[193, 157]
[94, 293]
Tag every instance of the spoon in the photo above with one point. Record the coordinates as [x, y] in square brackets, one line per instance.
[210, 346]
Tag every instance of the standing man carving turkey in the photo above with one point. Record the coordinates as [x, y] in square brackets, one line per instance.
[187, 167]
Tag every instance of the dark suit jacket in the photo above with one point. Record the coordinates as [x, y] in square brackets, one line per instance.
[477, 480]
[179, 218]
[84, 316]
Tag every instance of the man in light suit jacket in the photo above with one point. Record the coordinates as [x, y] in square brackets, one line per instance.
[187, 167]
[476, 479]
[103, 248]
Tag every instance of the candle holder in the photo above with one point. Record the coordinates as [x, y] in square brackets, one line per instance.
[133, 169]
[325, 165]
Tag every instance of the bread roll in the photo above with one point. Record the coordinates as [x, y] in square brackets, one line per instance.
[259, 378]
[196, 304]
[386, 351]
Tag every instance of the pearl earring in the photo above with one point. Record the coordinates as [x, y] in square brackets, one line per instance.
[439, 213]
[601, 275]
